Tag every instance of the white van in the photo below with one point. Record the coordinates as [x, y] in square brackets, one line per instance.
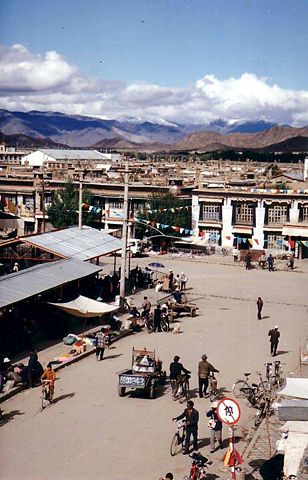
[135, 245]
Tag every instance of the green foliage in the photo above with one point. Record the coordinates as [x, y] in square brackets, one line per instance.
[63, 211]
[179, 218]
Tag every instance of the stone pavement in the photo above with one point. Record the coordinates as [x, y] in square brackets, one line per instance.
[262, 445]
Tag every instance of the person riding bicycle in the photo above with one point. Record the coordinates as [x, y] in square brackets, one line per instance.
[146, 305]
[176, 369]
[49, 376]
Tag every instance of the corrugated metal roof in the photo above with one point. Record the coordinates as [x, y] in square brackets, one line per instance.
[81, 244]
[34, 280]
[72, 154]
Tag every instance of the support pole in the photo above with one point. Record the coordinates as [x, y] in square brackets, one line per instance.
[124, 236]
[231, 449]
[80, 204]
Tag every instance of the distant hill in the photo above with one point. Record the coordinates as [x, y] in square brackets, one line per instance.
[51, 129]
[207, 141]
[24, 141]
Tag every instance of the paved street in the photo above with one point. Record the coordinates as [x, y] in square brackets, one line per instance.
[90, 433]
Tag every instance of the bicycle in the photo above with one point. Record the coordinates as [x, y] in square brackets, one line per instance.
[251, 392]
[149, 323]
[47, 396]
[275, 379]
[182, 388]
[213, 387]
[177, 442]
[265, 408]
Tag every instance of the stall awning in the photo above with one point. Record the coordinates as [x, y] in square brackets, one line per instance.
[246, 230]
[295, 388]
[210, 200]
[295, 231]
[85, 307]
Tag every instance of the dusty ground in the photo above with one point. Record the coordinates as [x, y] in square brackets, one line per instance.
[90, 433]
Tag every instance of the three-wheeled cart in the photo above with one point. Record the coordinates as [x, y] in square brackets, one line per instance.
[145, 374]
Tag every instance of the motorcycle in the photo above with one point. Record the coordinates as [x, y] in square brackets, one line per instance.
[198, 466]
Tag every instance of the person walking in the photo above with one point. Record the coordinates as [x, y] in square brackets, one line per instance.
[215, 426]
[191, 416]
[157, 319]
[171, 280]
[270, 262]
[259, 307]
[274, 335]
[146, 305]
[248, 261]
[204, 370]
[100, 345]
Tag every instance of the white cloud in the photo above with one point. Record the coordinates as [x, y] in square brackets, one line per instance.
[31, 81]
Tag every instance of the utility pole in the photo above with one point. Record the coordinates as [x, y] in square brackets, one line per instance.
[124, 235]
[43, 205]
[80, 203]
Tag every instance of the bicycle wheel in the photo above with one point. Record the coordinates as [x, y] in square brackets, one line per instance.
[176, 445]
[240, 389]
[44, 399]
[213, 394]
[259, 415]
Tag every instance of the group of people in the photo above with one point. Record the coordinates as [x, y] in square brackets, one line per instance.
[177, 282]
[190, 414]
[28, 375]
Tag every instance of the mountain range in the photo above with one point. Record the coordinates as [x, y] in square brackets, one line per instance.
[58, 130]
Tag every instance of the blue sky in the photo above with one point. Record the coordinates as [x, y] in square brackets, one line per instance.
[169, 44]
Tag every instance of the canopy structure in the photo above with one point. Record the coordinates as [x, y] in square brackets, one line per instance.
[85, 307]
[295, 388]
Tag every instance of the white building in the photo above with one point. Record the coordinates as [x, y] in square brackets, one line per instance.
[45, 157]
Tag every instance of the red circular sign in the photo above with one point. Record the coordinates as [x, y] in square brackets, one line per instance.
[228, 411]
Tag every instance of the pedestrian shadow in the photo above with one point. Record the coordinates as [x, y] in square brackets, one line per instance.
[193, 393]
[281, 352]
[265, 317]
[204, 442]
[63, 397]
[113, 356]
[221, 391]
[7, 417]
[212, 476]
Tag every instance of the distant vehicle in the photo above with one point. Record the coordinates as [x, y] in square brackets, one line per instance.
[135, 246]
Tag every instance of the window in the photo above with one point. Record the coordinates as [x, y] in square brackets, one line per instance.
[210, 212]
[278, 214]
[244, 213]
[275, 241]
[304, 214]
[213, 235]
[116, 204]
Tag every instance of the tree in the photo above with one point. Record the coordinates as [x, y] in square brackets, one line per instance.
[63, 211]
[175, 214]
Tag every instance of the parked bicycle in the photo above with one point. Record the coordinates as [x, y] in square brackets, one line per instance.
[149, 322]
[251, 392]
[265, 408]
[275, 375]
[47, 395]
[177, 442]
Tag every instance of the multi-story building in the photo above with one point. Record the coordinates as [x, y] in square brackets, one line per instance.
[249, 217]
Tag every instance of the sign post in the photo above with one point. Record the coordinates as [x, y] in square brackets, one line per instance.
[229, 412]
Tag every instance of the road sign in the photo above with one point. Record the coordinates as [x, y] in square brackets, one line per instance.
[228, 411]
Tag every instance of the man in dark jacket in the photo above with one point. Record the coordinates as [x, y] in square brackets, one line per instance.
[176, 368]
[191, 416]
[274, 335]
[204, 370]
[157, 319]
[35, 369]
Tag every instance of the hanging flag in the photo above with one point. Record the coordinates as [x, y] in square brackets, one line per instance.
[250, 241]
[228, 237]
[256, 240]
